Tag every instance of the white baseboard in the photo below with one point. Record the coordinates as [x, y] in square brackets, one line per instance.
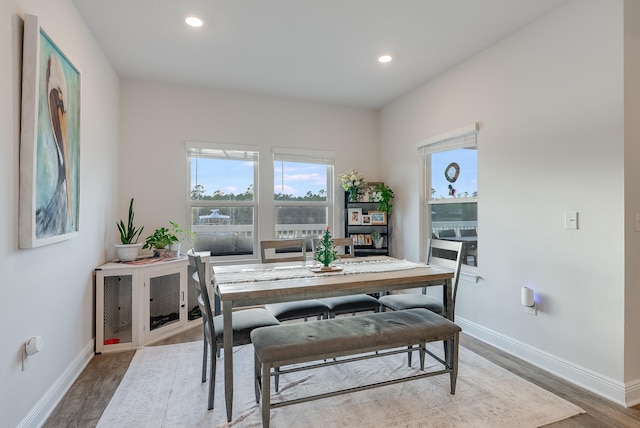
[45, 406]
[626, 395]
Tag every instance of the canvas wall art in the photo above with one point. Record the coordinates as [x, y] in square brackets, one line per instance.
[49, 141]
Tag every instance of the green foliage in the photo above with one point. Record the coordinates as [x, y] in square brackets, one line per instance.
[161, 238]
[179, 233]
[199, 193]
[129, 234]
[382, 194]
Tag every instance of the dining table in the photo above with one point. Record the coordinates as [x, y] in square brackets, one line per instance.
[244, 285]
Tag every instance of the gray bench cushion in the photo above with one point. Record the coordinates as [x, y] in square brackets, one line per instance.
[312, 340]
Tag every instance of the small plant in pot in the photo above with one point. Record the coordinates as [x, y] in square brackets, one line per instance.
[128, 248]
[180, 234]
[159, 241]
[377, 239]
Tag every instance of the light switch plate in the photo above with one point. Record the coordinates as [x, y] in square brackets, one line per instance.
[571, 220]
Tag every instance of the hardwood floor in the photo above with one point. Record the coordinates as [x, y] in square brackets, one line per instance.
[83, 405]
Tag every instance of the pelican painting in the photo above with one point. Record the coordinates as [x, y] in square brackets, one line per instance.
[50, 142]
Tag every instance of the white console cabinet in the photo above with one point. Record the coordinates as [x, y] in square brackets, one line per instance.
[137, 304]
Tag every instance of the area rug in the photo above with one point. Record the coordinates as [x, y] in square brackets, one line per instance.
[162, 388]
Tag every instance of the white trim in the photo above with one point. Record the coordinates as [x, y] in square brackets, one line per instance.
[456, 133]
[56, 392]
[325, 157]
[597, 383]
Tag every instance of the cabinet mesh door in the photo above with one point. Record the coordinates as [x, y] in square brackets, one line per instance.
[117, 309]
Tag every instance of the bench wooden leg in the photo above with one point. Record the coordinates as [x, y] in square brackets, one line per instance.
[266, 394]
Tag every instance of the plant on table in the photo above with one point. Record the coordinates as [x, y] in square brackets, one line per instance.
[128, 248]
[179, 233]
[325, 251]
[160, 239]
[352, 182]
[129, 233]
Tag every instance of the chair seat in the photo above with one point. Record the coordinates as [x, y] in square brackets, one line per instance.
[298, 309]
[347, 304]
[399, 302]
[243, 323]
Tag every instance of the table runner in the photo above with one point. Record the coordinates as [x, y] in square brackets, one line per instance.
[254, 274]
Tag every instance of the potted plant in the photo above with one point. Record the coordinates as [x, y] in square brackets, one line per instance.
[352, 182]
[180, 234]
[377, 239]
[159, 241]
[382, 194]
[128, 248]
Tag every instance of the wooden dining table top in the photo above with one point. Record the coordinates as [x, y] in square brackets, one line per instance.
[277, 282]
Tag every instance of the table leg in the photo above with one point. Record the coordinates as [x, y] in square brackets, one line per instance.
[447, 298]
[228, 357]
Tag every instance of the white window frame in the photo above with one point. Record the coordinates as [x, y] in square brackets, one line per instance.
[316, 157]
[463, 137]
[230, 151]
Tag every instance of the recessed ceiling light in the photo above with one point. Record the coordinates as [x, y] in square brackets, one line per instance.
[193, 21]
[384, 59]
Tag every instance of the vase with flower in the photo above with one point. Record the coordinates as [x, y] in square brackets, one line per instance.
[352, 182]
[326, 252]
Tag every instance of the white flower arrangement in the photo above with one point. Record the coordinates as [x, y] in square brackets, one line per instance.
[351, 179]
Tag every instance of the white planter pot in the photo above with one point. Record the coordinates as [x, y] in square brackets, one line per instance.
[175, 249]
[127, 252]
[379, 242]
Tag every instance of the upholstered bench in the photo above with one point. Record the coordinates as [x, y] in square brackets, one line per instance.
[390, 332]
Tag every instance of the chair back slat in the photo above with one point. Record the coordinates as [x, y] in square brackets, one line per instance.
[204, 303]
[297, 246]
[437, 253]
[343, 243]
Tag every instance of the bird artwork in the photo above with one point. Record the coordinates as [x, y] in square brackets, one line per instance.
[452, 191]
[56, 217]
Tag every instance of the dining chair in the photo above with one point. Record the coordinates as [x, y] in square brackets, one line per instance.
[348, 304]
[447, 233]
[301, 308]
[283, 250]
[440, 253]
[470, 248]
[243, 322]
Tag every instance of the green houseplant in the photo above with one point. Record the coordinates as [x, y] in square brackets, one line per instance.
[377, 239]
[180, 235]
[128, 248]
[382, 194]
[159, 241]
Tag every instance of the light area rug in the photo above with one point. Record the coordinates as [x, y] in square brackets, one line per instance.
[162, 388]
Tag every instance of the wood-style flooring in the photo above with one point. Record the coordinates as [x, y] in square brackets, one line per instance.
[83, 405]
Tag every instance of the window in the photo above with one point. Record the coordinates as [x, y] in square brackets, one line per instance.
[451, 189]
[303, 192]
[221, 198]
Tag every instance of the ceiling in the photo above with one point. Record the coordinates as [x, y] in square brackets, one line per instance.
[317, 50]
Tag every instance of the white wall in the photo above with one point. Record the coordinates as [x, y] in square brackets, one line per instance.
[549, 100]
[48, 291]
[159, 116]
[632, 191]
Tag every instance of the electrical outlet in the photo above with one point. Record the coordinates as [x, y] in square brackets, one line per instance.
[532, 310]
